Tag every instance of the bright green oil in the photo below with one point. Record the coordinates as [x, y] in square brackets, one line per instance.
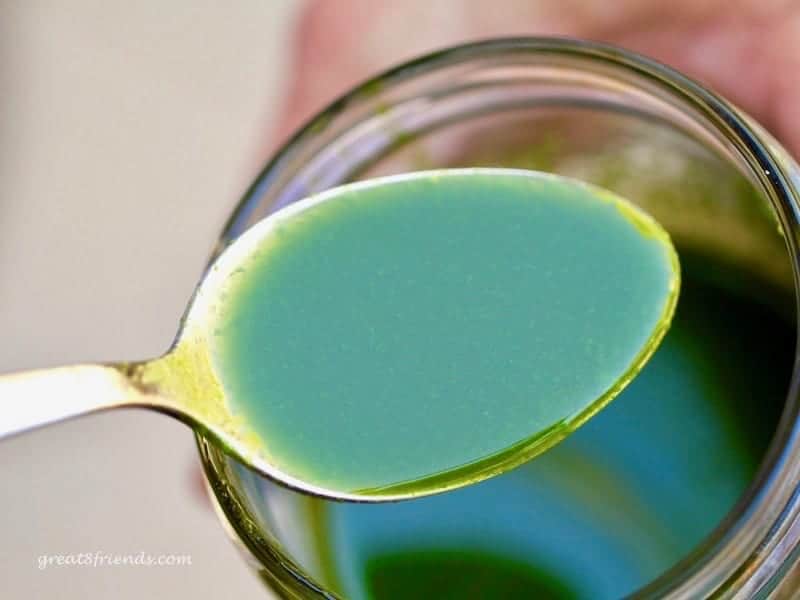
[457, 575]
[403, 330]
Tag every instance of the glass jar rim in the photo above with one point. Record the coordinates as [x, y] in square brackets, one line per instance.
[747, 552]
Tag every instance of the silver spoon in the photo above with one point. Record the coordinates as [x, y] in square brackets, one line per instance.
[186, 383]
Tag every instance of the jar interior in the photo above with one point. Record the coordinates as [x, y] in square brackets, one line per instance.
[644, 482]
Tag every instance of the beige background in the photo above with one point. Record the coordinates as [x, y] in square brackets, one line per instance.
[127, 132]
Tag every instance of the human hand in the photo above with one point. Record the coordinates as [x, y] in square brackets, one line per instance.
[746, 50]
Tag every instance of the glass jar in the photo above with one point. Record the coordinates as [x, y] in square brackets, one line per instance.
[728, 194]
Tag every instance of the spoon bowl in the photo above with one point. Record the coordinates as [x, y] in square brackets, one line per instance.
[471, 323]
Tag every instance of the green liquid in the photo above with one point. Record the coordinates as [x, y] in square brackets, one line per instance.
[457, 575]
[609, 509]
[404, 330]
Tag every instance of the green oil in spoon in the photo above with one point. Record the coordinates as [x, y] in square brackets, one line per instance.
[407, 335]
[401, 336]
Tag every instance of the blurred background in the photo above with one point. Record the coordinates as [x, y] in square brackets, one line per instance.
[127, 133]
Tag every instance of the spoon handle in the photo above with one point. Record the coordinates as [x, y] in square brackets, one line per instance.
[34, 398]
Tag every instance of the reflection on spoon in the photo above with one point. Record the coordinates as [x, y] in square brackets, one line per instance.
[400, 336]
